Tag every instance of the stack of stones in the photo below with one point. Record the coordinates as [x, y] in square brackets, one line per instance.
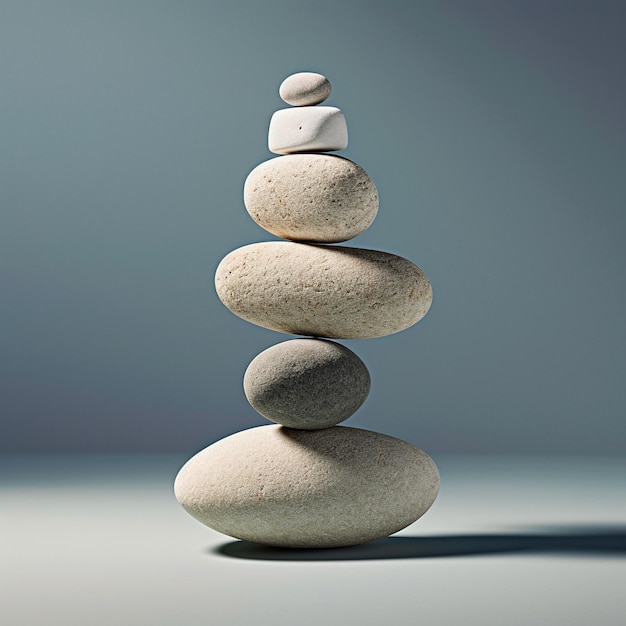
[305, 482]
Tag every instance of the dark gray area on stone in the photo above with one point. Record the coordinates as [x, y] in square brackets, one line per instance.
[307, 383]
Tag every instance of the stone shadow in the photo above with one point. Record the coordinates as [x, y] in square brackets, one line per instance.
[579, 541]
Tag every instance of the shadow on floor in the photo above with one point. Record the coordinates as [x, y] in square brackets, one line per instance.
[566, 541]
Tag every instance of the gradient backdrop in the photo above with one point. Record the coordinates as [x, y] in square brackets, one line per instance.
[494, 130]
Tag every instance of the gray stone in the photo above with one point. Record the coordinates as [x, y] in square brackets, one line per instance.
[323, 291]
[308, 488]
[305, 89]
[307, 383]
[307, 129]
[320, 198]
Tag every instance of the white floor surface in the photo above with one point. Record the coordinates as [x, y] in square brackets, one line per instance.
[100, 540]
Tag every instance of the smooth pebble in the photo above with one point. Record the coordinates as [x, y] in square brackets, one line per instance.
[307, 129]
[307, 383]
[305, 89]
[323, 291]
[320, 198]
[293, 488]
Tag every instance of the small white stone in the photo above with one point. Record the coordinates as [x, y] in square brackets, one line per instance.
[305, 89]
[335, 487]
[307, 129]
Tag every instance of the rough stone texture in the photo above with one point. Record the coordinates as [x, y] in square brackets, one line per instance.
[323, 291]
[308, 488]
[321, 198]
[307, 129]
[305, 89]
[307, 383]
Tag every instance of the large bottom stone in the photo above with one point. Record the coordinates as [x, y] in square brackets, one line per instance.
[326, 488]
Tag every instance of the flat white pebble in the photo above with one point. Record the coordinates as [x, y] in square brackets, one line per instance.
[307, 383]
[326, 488]
[307, 129]
[305, 89]
[323, 291]
[322, 198]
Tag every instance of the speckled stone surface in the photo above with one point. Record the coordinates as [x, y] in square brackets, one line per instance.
[307, 129]
[305, 89]
[320, 198]
[307, 383]
[323, 291]
[308, 488]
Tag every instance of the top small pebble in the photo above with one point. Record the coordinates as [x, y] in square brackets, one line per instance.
[304, 89]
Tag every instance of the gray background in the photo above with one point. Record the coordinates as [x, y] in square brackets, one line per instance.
[494, 131]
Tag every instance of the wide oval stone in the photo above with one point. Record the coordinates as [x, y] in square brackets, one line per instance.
[326, 488]
[323, 291]
[307, 383]
[311, 197]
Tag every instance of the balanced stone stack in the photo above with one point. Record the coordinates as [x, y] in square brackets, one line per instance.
[304, 481]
